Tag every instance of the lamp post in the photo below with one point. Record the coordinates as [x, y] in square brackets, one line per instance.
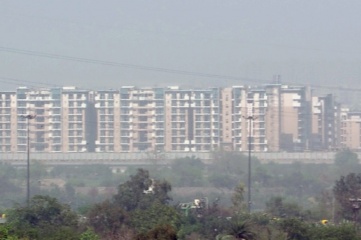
[28, 118]
[250, 119]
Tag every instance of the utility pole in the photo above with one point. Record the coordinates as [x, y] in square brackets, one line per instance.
[250, 119]
[28, 118]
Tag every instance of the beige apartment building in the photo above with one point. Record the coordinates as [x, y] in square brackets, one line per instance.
[77, 120]
[350, 129]
[108, 133]
[192, 119]
[130, 120]
[8, 120]
[273, 117]
[288, 117]
[60, 123]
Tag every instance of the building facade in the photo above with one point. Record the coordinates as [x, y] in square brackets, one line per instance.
[268, 118]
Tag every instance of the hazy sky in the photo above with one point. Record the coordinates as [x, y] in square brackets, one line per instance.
[114, 42]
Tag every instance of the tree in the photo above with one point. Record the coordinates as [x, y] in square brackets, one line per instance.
[278, 208]
[346, 188]
[241, 229]
[347, 161]
[346, 157]
[188, 172]
[238, 197]
[228, 168]
[262, 176]
[106, 218]
[160, 232]
[344, 231]
[44, 218]
[141, 191]
[157, 214]
[295, 229]
[89, 235]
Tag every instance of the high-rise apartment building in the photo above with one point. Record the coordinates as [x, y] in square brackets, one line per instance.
[108, 133]
[243, 114]
[350, 129]
[234, 128]
[142, 119]
[273, 117]
[323, 132]
[256, 109]
[8, 120]
[77, 120]
[130, 120]
[61, 123]
[192, 119]
[288, 117]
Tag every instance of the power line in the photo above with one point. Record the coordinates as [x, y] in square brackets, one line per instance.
[16, 81]
[124, 65]
[163, 70]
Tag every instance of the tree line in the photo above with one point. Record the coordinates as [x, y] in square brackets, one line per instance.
[142, 209]
[302, 202]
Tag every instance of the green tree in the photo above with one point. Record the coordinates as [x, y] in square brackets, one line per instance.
[262, 176]
[160, 232]
[141, 191]
[346, 161]
[346, 188]
[106, 218]
[238, 197]
[345, 231]
[89, 235]
[241, 229]
[276, 207]
[44, 218]
[188, 172]
[346, 157]
[229, 168]
[38, 170]
[157, 214]
[295, 229]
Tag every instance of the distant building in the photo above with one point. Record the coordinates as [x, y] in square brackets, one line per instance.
[351, 130]
[192, 119]
[275, 117]
[61, 123]
[324, 114]
[130, 120]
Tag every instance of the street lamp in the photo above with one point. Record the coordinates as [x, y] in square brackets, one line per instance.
[28, 118]
[250, 119]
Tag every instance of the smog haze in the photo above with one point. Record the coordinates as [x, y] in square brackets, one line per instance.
[108, 44]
